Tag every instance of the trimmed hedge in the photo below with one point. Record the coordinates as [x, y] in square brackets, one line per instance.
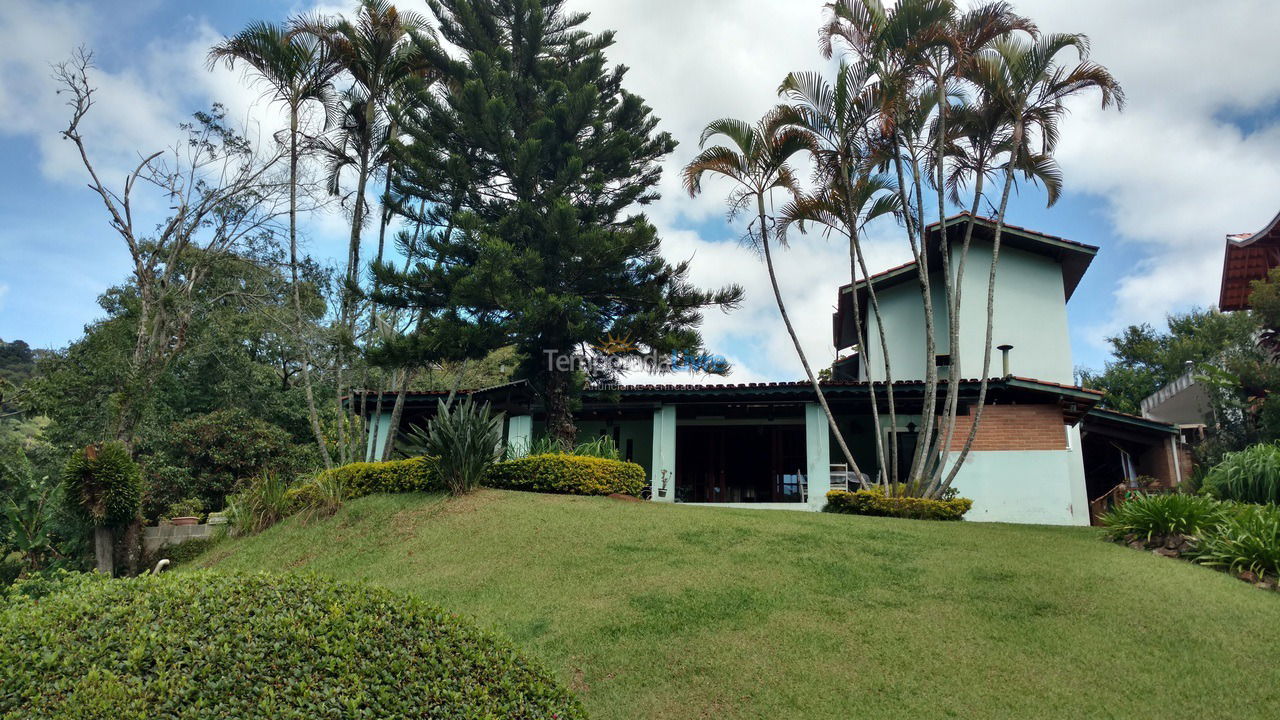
[419, 474]
[875, 502]
[204, 644]
[568, 474]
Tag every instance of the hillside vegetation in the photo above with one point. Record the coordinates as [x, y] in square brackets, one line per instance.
[658, 611]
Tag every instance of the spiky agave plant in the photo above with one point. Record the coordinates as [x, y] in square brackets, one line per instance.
[468, 440]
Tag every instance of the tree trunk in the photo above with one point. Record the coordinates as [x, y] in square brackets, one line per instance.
[786, 320]
[855, 253]
[103, 550]
[888, 374]
[991, 302]
[346, 319]
[937, 460]
[954, 408]
[312, 415]
[397, 412]
[560, 425]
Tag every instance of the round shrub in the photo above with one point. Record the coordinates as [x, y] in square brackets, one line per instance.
[1251, 475]
[204, 645]
[104, 484]
[569, 474]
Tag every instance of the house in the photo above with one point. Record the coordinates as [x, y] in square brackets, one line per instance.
[768, 445]
[1185, 401]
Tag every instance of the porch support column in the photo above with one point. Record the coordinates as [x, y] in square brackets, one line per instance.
[520, 432]
[379, 426]
[817, 452]
[663, 480]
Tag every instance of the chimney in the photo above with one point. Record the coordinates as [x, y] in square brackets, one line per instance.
[1004, 357]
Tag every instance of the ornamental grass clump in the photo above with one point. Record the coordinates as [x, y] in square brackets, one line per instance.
[1251, 475]
[1149, 517]
[221, 645]
[1247, 541]
[265, 502]
[103, 486]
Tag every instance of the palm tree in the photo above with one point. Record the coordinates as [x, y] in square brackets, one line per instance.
[298, 70]
[758, 162]
[850, 194]
[375, 49]
[945, 63]
[895, 44]
[1023, 80]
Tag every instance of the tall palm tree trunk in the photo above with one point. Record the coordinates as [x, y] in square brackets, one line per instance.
[991, 302]
[795, 340]
[935, 482]
[312, 415]
[888, 373]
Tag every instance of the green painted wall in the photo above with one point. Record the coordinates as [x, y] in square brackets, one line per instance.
[1030, 314]
[1031, 486]
[638, 432]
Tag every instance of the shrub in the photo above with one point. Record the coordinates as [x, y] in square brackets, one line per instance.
[223, 448]
[202, 644]
[467, 441]
[419, 474]
[1152, 516]
[1247, 539]
[1251, 475]
[191, 507]
[873, 501]
[104, 485]
[570, 474]
[264, 503]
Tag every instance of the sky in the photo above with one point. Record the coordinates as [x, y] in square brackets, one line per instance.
[1194, 156]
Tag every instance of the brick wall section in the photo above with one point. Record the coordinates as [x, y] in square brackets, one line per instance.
[1157, 462]
[1013, 427]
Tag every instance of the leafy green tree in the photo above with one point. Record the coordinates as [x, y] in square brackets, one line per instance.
[530, 161]
[1145, 359]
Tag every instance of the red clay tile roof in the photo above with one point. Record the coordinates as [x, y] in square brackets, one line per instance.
[1248, 257]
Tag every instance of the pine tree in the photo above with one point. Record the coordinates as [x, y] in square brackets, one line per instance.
[530, 160]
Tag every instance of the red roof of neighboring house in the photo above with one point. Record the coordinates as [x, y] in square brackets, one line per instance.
[1248, 257]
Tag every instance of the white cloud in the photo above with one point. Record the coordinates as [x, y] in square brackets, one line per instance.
[1174, 175]
[4, 293]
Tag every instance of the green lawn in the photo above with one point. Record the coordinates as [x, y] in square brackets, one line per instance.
[660, 611]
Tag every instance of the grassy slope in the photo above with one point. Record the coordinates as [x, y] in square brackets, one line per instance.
[660, 611]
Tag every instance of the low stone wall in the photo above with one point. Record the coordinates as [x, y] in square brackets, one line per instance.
[161, 536]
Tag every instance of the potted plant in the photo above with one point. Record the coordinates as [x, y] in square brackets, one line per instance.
[185, 512]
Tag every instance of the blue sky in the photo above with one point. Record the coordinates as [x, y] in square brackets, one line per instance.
[1194, 156]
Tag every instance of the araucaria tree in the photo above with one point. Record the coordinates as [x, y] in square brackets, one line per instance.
[531, 161]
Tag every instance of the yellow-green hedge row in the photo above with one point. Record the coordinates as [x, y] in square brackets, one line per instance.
[569, 474]
[419, 474]
[875, 502]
